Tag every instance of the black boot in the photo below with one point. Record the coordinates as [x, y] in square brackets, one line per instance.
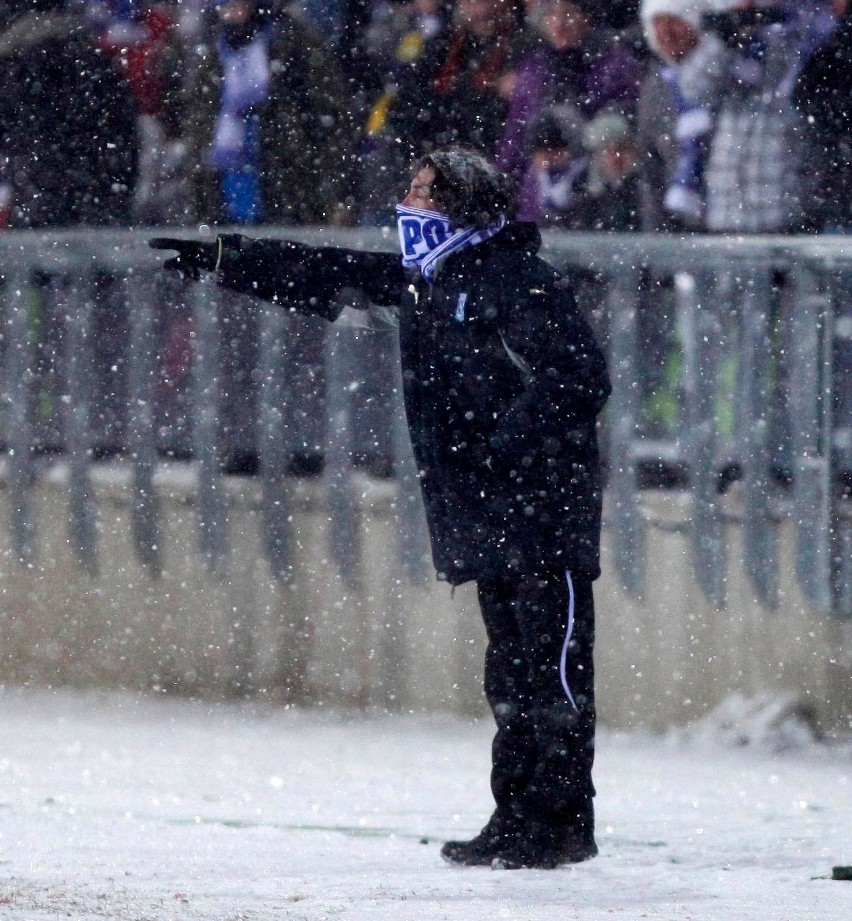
[499, 834]
[544, 846]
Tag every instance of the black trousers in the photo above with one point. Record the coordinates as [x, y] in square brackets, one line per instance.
[539, 682]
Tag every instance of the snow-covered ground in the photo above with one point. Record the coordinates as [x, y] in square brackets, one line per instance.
[124, 807]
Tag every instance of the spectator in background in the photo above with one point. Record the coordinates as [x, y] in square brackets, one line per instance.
[674, 133]
[271, 136]
[582, 176]
[575, 61]
[394, 40]
[556, 169]
[143, 40]
[673, 136]
[455, 93]
[746, 69]
[268, 121]
[67, 121]
[610, 197]
[759, 175]
[398, 30]
[823, 98]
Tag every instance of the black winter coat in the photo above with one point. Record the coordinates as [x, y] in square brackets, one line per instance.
[502, 379]
[67, 124]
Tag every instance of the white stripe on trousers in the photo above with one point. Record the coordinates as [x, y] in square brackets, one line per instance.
[563, 659]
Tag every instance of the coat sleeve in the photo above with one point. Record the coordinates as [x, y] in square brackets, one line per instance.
[308, 278]
[567, 383]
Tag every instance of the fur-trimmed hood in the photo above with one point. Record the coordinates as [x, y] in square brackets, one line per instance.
[690, 11]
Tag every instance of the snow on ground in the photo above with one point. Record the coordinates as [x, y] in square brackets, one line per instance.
[115, 806]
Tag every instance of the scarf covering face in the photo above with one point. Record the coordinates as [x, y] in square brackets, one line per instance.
[428, 237]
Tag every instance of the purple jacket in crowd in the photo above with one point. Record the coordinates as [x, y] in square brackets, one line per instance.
[588, 77]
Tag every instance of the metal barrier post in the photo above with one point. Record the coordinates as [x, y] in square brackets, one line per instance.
[343, 506]
[76, 306]
[810, 412]
[628, 533]
[702, 332]
[272, 448]
[212, 501]
[760, 539]
[19, 437]
[139, 294]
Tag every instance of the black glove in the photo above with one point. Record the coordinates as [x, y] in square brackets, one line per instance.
[192, 257]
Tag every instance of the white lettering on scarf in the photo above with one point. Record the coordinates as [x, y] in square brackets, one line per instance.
[427, 237]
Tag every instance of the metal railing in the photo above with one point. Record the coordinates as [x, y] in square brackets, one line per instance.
[758, 329]
[778, 308]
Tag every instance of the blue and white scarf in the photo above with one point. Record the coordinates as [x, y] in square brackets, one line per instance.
[246, 80]
[686, 194]
[426, 238]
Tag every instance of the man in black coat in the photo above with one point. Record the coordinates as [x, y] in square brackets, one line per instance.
[503, 381]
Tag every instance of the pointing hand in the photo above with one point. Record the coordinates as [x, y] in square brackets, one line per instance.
[192, 257]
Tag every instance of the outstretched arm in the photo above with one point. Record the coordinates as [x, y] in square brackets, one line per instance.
[307, 278]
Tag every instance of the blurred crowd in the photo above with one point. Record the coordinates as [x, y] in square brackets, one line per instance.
[696, 115]
[628, 115]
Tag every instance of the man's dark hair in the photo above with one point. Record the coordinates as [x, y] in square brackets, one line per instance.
[471, 191]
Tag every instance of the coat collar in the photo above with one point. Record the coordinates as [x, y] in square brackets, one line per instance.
[516, 235]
